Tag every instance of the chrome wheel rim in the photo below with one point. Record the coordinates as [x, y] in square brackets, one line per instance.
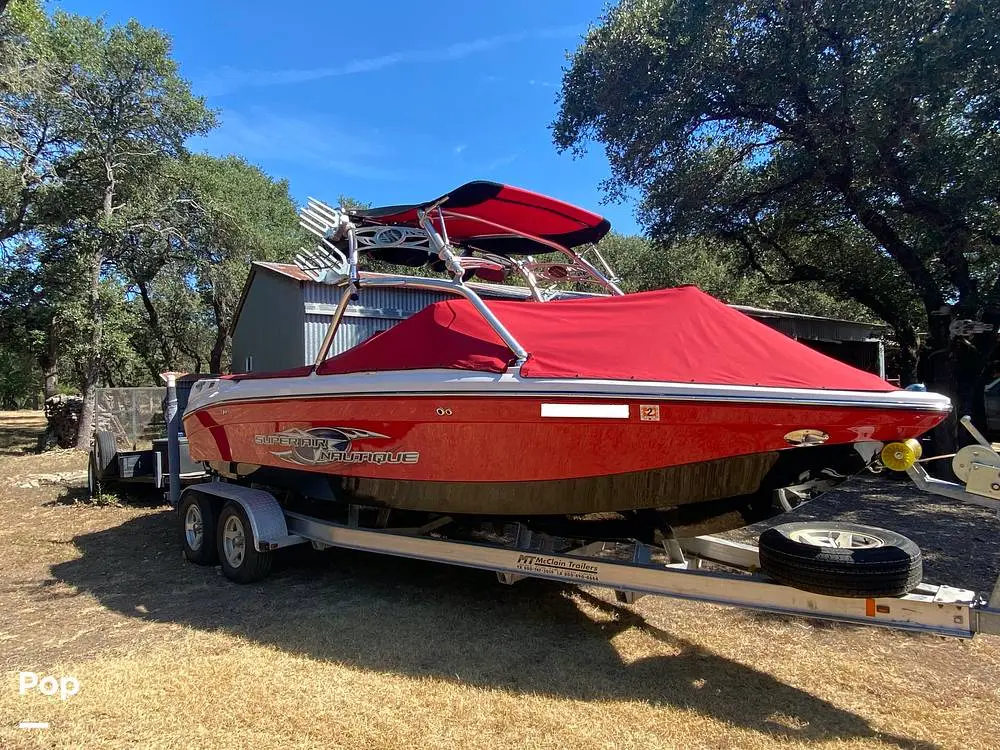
[234, 541]
[836, 538]
[790, 499]
[194, 527]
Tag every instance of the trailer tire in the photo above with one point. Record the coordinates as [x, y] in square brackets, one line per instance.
[105, 450]
[241, 561]
[94, 490]
[841, 559]
[197, 521]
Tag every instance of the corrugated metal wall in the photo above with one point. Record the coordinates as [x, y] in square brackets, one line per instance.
[351, 332]
[377, 309]
[819, 329]
[378, 298]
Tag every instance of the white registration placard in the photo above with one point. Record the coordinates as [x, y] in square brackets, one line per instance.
[588, 411]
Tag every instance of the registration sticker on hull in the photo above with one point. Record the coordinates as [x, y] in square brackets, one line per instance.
[331, 445]
[649, 412]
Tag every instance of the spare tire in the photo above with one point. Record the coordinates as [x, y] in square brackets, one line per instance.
[841, 559]
[105, 450]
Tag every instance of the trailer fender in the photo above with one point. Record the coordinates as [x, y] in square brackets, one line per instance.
[267, 519]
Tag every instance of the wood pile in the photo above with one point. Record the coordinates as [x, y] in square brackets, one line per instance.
[63, 416]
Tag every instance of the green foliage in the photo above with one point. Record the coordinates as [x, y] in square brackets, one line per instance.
[128, 113]
[853, 144]
[716, 268]
[19, 377]
[205, 219]
[123, 255]
[31, 132]
[237, 214]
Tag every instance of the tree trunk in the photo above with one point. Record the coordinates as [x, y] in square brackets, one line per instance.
[157, 328]
[221, 336]
[959, 367]
[936, 370]
[906, 337]
[218, 350]
[50, 374]
[92, 368]
[962, 379]
[49, 362]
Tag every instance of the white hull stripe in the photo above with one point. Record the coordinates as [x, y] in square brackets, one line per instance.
[586, 411]
[417, 383]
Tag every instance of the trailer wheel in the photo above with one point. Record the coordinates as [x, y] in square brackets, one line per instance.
[105, 449]
[197, 519]
[788, 499]
[93, 481]
[241, 561]
[841, 559]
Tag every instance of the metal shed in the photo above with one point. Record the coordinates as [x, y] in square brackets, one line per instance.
[283, 315]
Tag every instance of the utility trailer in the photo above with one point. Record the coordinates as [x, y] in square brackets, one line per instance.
[107, 466]
[240, 527]
[134, 416]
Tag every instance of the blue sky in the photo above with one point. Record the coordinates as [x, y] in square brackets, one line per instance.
[385, 101]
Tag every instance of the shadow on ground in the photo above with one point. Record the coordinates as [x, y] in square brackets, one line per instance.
[421, 619]
[20, 432]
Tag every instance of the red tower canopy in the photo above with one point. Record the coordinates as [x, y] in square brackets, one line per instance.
[673, 335]
[521, 211]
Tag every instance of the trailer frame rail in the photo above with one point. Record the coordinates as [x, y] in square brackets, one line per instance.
[941, 610]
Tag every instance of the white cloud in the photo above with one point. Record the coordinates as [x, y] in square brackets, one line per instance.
[228, 79]
[261, 135]
[459, 148]
[502, 161]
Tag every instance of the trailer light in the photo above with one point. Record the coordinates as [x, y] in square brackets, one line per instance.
[900, 456]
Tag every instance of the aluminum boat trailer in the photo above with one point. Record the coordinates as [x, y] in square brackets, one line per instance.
[252, 524]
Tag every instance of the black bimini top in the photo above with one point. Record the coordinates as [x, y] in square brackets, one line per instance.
[492, 217]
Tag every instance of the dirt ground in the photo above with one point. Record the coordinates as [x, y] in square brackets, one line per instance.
[352, 650]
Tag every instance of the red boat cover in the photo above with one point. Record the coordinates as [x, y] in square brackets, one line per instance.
[676, 335]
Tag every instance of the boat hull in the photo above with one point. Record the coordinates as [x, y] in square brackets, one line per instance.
[531, 454]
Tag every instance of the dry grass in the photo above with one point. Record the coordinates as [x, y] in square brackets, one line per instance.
[354, 650]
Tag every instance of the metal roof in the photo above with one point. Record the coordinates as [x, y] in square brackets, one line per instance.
[294, 272]
[290, 270]
[764, 312]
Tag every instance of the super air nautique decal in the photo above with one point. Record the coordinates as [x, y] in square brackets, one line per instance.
[331, 445]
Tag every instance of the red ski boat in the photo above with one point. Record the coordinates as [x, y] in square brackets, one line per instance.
[666, 400]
